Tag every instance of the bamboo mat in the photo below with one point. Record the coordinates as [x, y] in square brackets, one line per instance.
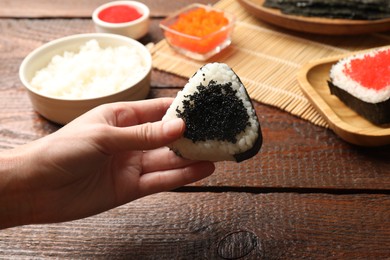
[267, 60]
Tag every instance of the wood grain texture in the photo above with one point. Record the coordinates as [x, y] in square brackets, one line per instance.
[307, 195]
[316, 25]
[216, 225]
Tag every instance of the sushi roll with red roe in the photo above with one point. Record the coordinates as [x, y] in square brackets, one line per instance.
[362, 82]
[221, 123]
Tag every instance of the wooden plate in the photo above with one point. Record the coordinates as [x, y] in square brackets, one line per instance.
[314, 24]
[342, 120]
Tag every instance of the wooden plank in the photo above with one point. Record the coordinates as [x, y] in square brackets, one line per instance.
[295, 153]
[79, 8]
[215, 226]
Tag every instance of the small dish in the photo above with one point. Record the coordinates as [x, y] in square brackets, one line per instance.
[316, 25]
[198, 47]
[127, 18]
[342, 120]
[61, 109]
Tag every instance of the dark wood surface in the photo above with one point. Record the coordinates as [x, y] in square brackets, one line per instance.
[307, 194]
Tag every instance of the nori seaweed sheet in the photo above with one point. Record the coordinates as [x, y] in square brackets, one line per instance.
[341, 9]
[377, 113]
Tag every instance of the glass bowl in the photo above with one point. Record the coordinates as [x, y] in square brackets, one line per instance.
[198, 47]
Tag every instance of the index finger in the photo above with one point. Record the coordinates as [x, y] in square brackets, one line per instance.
[139, 112]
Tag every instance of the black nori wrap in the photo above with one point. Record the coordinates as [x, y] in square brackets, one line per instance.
[342, 9]
[251, 152]
[377, 113]
[259, 141]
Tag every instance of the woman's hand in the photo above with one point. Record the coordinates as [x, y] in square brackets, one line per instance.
[107, 157]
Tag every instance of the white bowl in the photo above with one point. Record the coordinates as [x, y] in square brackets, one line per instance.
[134, 29]
[63, 110]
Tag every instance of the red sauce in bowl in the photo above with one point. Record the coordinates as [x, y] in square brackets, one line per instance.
[119, 14]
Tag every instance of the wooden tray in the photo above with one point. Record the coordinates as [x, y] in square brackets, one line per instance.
[342, 120]
[314, 24]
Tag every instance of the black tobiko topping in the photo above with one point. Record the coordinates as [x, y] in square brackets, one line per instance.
[214, 113]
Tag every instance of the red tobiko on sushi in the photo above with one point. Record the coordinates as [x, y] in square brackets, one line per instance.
[362, 82]
[371, 71]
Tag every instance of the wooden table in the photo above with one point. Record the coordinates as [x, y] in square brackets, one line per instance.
[307, 194]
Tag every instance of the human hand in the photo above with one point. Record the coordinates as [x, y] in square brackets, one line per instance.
[107, 157]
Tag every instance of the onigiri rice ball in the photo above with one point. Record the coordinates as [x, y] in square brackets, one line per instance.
[221, 123]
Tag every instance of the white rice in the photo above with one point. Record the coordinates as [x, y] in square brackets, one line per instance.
[213, 150]
[91, 72]
[343, 81]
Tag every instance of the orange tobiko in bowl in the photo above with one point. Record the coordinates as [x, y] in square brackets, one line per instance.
[198, 31]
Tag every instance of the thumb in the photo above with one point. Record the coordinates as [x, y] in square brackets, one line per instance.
[148, 135]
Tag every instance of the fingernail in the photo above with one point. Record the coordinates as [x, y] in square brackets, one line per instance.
[174, 127]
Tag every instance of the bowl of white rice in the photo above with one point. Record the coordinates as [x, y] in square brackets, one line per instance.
[69, 76]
